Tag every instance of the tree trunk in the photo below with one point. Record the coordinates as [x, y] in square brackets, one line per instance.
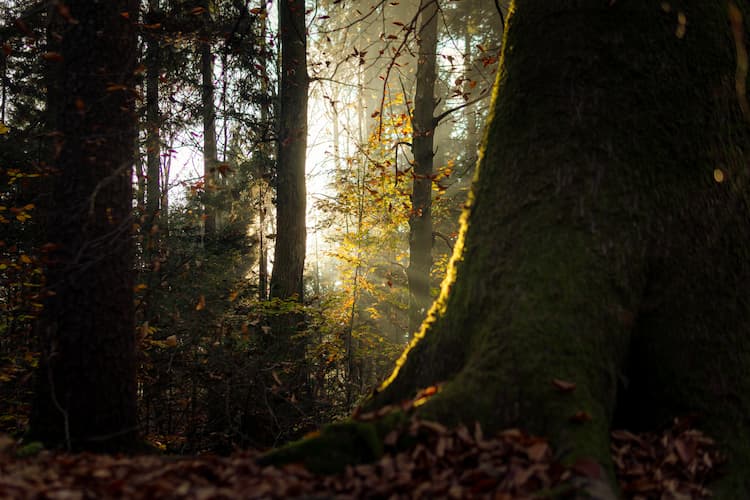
[420, 219]
[153, 145]
[284, 348]
[606, 236]
[210, 155]
[86, 392]
[289, 256]
[264, 164]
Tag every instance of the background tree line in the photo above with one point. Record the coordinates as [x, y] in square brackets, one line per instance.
[179, 185]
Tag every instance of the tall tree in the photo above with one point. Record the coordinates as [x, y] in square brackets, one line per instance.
[420, 219]
[601, 252]
[153, 141]
[208, 110]
[86, 392]
[262, 172]
[289, 255]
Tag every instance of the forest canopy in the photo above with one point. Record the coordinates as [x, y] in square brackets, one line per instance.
[262, 307]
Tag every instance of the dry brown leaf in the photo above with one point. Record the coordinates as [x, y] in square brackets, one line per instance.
[564, 385]
[537, 451]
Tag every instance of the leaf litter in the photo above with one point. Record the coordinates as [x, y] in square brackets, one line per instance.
[459, 463]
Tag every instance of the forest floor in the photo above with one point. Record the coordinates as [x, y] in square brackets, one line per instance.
[442, 463]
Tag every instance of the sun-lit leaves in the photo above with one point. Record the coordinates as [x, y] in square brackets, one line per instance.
[201, 304]
[22, 290]
[719, 175]
[681, 25]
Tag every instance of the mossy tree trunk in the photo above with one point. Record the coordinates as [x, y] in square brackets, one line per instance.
[605, 242]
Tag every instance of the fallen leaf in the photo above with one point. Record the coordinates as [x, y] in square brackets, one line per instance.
[564, 385]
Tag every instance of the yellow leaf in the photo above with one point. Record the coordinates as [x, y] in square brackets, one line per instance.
[144, 330]
[3, 129]
[25, 259]
[719, 175]
[201, 303]
[171, 341]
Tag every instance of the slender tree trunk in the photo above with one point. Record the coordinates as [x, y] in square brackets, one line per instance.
[262, 246]
[140, 175]
[4, 83]
[153, 145]
[165, 180]
[420, 219]
[289, 258]
[210, 160]
[469, 112]
[86, 392]
[263, 166]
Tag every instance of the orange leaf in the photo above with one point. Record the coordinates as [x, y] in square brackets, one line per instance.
[201, 303]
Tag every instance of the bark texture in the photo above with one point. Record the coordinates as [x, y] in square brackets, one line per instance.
[289, 256]
[420, 219]
[86, 392]
[598, 246]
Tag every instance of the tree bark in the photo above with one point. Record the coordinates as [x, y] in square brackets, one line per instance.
[153, 144]
[264, 164]
[605, 238]
[289, 255]
[420, 218]
[86, 392]
[210, 155]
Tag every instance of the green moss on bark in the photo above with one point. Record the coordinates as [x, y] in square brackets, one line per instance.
[599, 249]
[338, 445]
[597, 246]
